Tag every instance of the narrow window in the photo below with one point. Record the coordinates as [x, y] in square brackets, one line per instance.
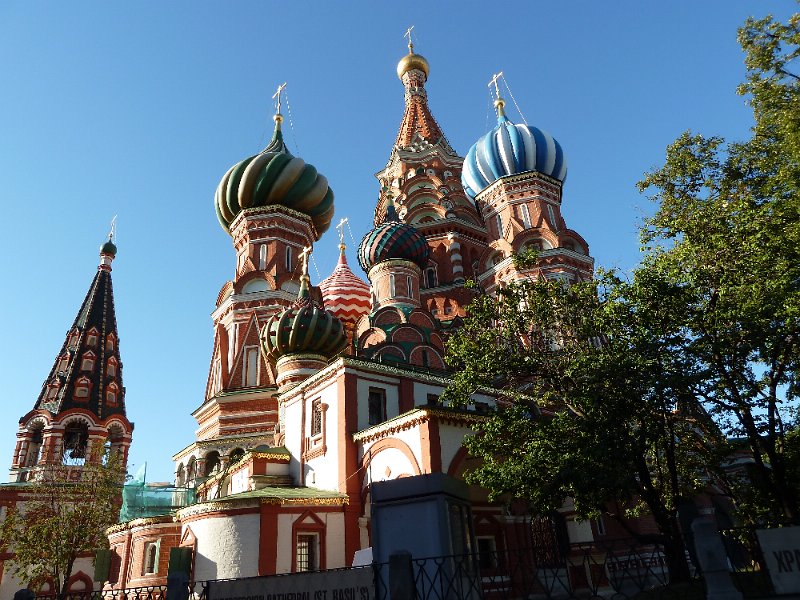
[82, 388]
[110, 343]
[150, 562]
[262, 257]
[87, 364]
[289, 258]
[432, 399]
[62, 364]
[499, 223]
[111, 396]
[251, 367]
[487, 552]
[392, 290]
[377, 405]
[307, 553]
[552, 216]
[316, 417]
[91, 338]
[525, 215]
[111, 369]
[409, 287]
[430, 277]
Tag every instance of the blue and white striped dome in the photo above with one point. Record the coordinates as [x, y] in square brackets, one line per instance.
[509, 149]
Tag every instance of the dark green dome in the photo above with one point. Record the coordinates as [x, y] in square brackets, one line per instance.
[303, 328]
[393, 239]
[109, 248]
[274, 176]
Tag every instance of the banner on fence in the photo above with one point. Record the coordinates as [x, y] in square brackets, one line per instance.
[344, 584]
[781, 549]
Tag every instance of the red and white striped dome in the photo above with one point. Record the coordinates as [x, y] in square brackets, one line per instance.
[344, 294]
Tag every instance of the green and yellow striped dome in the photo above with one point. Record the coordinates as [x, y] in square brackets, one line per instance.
[303, 328]
[274, 176]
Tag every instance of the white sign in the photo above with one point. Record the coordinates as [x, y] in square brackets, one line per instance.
[781, 549]
[345, 584]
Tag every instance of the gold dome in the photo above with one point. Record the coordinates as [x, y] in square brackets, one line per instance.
[412, 61]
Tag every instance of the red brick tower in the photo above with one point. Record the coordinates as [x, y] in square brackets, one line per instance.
[273, 205]
[80, 411]
[424, 177]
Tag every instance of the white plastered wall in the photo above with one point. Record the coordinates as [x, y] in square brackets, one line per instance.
[227, 546]
[390, 385]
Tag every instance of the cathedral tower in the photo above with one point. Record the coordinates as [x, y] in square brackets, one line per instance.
[423, 176]
[80, 412]
[273, 205]
[515, 174]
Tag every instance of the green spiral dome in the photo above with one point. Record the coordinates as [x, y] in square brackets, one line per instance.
[303, 328]
[274, 176]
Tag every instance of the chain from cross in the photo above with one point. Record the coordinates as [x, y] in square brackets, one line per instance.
[277, 95]
[407, 34]
[493, 82]
[304, 258]
[340, 227]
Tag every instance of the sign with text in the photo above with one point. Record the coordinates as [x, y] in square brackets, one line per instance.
[781, 549]
[345, 584]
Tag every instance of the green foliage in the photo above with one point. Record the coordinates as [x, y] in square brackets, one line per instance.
[725, 240]
[61, 518]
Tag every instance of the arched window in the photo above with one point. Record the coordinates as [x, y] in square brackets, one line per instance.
[498, 219]
[525, 215]
[87, 363]
[409, 287]
[212, 463]
[35, 444]
[111, 368]
[262, 257]
[91, 337]
[191, 472]
[289, 259]
[112, 393]
[430, 277]
[82, 388]
[392, 288]
[551, 213]
[110, 342]
[235, 456]
[75, 443]
[180, 476]
[150, 562]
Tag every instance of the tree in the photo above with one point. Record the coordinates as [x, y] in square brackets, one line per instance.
[65, 513]
[593, 404]
[726, 238]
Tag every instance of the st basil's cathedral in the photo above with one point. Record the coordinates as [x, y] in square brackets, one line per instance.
[314, 392]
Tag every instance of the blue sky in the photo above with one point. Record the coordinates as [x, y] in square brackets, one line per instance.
[138, 109]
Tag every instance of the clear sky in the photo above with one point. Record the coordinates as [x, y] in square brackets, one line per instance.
[137, 109]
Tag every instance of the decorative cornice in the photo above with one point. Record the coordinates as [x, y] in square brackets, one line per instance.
[137, 523]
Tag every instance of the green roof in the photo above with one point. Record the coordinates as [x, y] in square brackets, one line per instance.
[286, 493]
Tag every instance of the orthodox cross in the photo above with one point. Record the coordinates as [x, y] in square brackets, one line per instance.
[278, 96]
[340, 227]
[493, 82]
[407, 34]
[304, 258]
[113, 233]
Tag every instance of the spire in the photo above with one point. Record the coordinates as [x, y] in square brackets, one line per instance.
[418, 122]
[276, 144]
[87, 373]
[305, 280]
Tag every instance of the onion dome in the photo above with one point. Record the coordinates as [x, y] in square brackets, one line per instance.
[109, 247]
[412, 61]
[344, 294]
[509, 149]
[274, 176]
[393, 239]
[303, 328]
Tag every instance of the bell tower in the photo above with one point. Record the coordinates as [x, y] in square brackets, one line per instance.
[80, 412]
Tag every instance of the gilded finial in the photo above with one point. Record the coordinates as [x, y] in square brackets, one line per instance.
[499, 103]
